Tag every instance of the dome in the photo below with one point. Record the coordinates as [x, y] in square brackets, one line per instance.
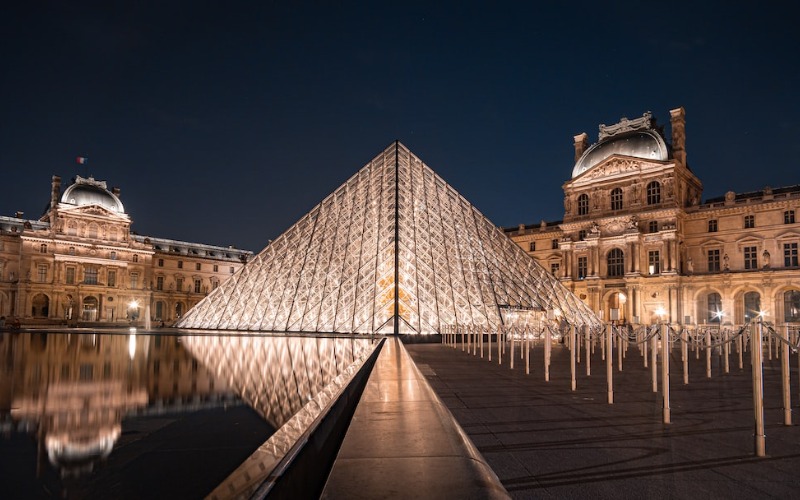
[91, 192]
[645, 144]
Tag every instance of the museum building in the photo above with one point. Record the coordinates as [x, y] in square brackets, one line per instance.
[638, 244]
[81, 263]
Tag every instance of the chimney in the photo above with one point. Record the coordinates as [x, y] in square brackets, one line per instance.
[115, 190]
[581, 143]
[55, 192]
[678, 119]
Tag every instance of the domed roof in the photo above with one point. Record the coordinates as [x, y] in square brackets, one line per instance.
[92, 192]
[646, 144]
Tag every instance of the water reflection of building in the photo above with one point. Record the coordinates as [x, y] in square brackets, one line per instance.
[636, 238]
[80, 262]
[73, 391]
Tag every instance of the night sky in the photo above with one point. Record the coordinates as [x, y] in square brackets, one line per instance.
[225, 122]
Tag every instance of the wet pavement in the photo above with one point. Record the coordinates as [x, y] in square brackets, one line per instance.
[545, 441]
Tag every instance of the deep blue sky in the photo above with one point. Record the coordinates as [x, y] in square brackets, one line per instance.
[225, 122]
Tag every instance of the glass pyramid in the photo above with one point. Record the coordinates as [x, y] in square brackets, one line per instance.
[395, 249]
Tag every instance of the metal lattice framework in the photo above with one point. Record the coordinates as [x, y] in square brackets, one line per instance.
[395, 249]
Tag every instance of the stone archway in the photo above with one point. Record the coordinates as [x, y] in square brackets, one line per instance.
[89, 310]
[40, 305]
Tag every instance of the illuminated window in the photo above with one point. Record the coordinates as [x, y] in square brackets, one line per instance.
[583, 204]
[653, 193]
[752, 305]
[749, 221]
[750, 258]
[654, 262]
[714, 308]
[712, 226]
[616, 262]
[791, 306]
[790, 254]
[713, 260]
[583, 267]
[616, 199]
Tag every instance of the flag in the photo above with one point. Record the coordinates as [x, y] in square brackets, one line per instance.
[81, 160]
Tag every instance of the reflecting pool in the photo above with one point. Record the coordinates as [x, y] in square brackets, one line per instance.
[132, 416]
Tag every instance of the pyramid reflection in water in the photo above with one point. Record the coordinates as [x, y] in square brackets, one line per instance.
[395, 249]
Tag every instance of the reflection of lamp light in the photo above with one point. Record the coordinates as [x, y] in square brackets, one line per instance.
[132, 344]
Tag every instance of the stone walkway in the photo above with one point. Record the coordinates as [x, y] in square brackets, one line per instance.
[545, 441]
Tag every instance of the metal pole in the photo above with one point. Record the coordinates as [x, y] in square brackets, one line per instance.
[490, 345]
[620, 350]
[588, 352]
[654, 361]
[511, 354]
[573, 346]
[758, 391]
[548, 345]
[527, 351]
[787, 396]
[609, 365]
[741, 349]
[727, 352]
[500, 345]
[665, 370]
[685, 355]
[708, 353]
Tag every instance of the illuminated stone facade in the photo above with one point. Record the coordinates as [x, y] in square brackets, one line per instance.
[80, 263]
[636, 240]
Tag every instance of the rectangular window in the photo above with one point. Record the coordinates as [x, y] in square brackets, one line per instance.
[90, 275]
[712, 226]
[583, 267]
[750, 258]
[532, 246]
[160, 283]
[654, 262]
[713, 261]
[555, 244]
[214, 285]
[788, 217]
[652, 226]
[180, 264]
[216, 268]
[790, 254]
[160, 262]
[134, 281]
[196, 286]
[179, 284]
[749, 221]
[554, 267]
[69, 277]
[112, 278]
[231, 269]
[581, 235]
[42, 273]
[197, 266]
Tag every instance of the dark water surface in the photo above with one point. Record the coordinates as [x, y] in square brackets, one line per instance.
[85, 415]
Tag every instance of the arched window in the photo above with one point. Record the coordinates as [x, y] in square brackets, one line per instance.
[616, 199]
[653, 193]
[40, 305]
[583, 204]
[752, 305]
[714, 314]
[72, 228]
[791, 306]
[43, 248]
[616, 262]
[136, 258]
[92, 231]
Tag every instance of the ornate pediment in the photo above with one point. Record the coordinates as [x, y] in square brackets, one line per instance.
[93, 211]
[614, 166]
[645, 122]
